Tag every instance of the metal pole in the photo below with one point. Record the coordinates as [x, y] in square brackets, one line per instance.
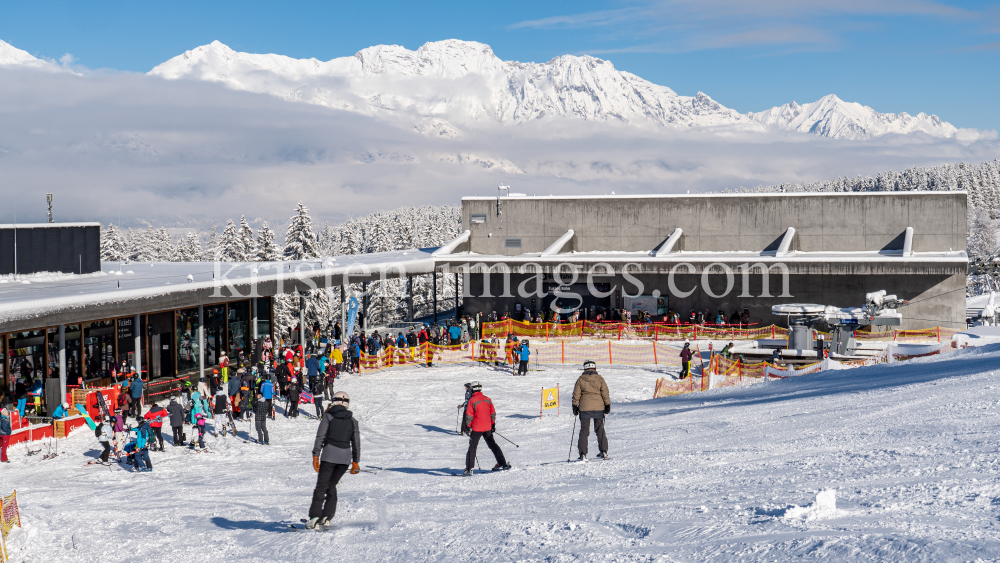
[201, 343]
[138, 345]
[62, 363]
[343, 314]
[409, 297]
[302, 324]
[253, 305]
[434, 290]
[456, 296]
[364, 306]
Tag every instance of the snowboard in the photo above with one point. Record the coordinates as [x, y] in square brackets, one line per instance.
[86, 417]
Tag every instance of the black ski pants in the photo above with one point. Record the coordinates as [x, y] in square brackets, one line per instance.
[106, 452]
[158, 432]
[602, 438]
[178, 435]
[522, 368]
[324, 503]
[261, 425]
[470, 457]
[293, 408]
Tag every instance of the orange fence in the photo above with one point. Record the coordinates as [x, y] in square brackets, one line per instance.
[667, 331]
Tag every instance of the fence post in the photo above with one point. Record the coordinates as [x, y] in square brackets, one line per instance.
[772, 332]
[696, 332]
[894, 334]
[620, 326]
[656, 330]
[472, 346]
[739, 369]
[654, 353]
[610, 362]
[562, 344]
[939, 334]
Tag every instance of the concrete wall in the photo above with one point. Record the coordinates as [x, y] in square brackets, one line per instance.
[721, 222]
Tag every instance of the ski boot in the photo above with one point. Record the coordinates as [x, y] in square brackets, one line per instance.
[467, 473]
[503, 467]
[312, 523]
[583, 457]
[604, 455]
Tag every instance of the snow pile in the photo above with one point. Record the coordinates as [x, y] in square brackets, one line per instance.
[825, 506]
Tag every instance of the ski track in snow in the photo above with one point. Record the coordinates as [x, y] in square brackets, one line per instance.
[706, 476]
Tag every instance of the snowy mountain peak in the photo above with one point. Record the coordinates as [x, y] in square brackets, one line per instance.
[830, 116]
[12, 56]
[455, 81]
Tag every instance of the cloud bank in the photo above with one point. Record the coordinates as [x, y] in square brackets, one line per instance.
[185, 152]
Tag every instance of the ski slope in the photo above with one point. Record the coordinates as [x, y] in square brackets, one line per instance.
[731, 474]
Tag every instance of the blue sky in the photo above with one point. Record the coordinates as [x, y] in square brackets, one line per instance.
[893, 55]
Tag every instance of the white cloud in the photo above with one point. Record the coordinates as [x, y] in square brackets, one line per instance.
[183, 151]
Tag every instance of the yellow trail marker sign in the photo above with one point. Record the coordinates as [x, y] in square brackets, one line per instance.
[550, 400]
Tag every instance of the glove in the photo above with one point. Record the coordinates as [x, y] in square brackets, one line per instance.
[316, 463]
[576, 410]
[355, 469]
[607, 409]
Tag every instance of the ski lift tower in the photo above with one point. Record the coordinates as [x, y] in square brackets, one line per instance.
[879, 310]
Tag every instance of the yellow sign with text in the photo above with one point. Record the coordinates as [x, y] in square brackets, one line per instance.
[550, 398]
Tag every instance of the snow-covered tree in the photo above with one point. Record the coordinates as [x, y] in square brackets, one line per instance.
[248, 246]
[113, 245]
[212, 248]
[300, 240]
[230, 249]
[267, 250]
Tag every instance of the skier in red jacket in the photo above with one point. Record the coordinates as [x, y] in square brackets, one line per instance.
[481, 418]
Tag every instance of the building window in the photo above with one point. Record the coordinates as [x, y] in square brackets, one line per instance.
[477, 218]
[512, 243]
[187, 341]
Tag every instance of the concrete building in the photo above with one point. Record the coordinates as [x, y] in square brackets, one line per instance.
[716, 251]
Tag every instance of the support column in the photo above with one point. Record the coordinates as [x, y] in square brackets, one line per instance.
[364, 307]
[62, 363]
[201, 343]
[456, 296]
[343, 314]
[302, 324]
[138, 345]
[434, 292]
[409, 298]
[253, 315]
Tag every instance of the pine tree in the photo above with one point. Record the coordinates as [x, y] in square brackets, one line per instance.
[164, 246]
[189, 249]
[113, 248]
[212, 248]
[300, 240]
[247, 244]
[267, 250]
[230, 249]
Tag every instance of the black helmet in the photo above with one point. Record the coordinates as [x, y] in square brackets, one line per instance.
[590, 364]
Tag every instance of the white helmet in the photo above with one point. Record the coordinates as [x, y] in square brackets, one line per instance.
[590, 364]
[342, 397]
[476, 387]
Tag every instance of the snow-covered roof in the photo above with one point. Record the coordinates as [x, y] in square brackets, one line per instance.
[46, 225]
[713, 195]
[43, 300]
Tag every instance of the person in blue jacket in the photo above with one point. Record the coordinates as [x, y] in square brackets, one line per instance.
[522, 368]
[135, 392]
[142, 435]
[61, 411]
[456, 335]
[267, 392]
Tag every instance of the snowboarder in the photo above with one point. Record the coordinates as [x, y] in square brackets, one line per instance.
[591, 401]
[176, 421]
[338, 443]
[261, 410]
[686, 360]
[481, 418]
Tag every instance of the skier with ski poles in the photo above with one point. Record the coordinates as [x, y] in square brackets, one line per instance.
[481, 418]
[338, 443]
[591, 401]
[261, 410]
[464, 428]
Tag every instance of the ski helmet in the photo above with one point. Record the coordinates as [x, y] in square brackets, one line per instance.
[476, 386]
[342, 397]
[590, 364]
[467, 385]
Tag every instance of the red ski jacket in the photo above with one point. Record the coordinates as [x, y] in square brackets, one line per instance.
[480, 415]
[157, 412]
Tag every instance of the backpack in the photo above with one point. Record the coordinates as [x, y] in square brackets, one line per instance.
[97, 431]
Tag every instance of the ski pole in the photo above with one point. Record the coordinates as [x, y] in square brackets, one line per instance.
[477, 463]
[569, 454]
[505, 438]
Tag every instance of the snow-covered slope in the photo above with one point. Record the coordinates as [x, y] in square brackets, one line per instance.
[832, 117]
[461, 79]
[728, 475]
